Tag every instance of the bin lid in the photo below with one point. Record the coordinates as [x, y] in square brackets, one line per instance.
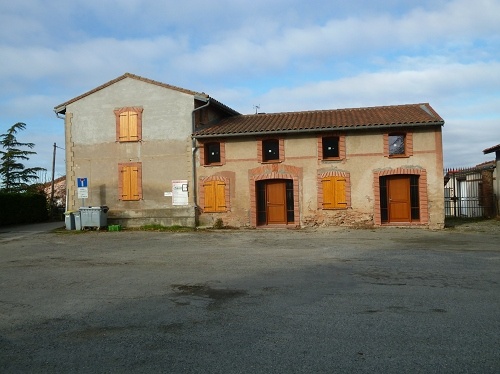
[104, 208]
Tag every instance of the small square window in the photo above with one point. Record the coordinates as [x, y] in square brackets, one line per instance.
[330, 147]
[397, 145]
[212, 153]
[270, 150]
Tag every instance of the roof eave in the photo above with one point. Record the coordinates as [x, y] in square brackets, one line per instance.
[224, 107]
[495, 148]
[323, 129]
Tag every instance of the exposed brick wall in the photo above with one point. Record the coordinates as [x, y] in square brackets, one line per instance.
[487, 195]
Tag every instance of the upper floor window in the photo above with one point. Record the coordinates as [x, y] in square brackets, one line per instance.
[331, 147]
[212, 153]
[398, 144]
[271, 150]
[128, 124]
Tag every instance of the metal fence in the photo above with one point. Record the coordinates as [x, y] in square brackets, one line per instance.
[468, 193]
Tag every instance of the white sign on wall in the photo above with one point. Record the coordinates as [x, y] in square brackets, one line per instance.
[180, 192]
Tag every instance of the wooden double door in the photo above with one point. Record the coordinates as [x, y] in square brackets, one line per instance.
[275, 205]
[399, 198]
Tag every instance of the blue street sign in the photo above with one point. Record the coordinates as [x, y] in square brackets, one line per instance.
[82, 182]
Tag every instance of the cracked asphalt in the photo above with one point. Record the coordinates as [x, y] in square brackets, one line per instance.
[251, 301]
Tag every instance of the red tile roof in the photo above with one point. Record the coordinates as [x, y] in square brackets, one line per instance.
[324, 120]
[492, 149]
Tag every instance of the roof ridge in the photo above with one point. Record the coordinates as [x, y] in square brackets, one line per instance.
[338, 109]
[59, 107]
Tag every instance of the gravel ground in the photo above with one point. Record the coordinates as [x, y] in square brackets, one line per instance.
[252, 301]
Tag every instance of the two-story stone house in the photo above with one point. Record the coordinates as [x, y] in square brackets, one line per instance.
[131, 139]
[155, 153]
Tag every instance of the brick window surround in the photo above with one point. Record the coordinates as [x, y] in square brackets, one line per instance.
[422, 192]
[327, 174]
[201, 190]
[342, 148]
[222, 153]
[408, 144]
[260, 148]
[135, 115]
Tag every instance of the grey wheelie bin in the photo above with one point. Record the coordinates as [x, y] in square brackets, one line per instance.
[94, 217]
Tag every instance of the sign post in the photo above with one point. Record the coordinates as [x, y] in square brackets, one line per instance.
[83, 190]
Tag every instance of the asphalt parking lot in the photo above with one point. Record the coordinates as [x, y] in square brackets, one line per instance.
[251, 301]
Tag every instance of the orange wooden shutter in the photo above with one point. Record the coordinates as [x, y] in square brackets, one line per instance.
[129, 126]
[340, 201]
[132, 126]
[124, 128]
[125, 175]
[130, 183]
[134, 183]
[220, 196]
[210, 203]
[328, 193]
[334, 195]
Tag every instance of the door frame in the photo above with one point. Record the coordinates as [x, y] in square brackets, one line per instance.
[274, 171]
[273, 195]
[398, 198]
[275, 201]
[422, 189]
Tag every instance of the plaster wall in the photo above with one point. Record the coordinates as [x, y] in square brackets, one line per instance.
[364, 157]
[164, 152]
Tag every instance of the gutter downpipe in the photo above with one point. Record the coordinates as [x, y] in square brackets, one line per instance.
[193, 150]
[67, 188]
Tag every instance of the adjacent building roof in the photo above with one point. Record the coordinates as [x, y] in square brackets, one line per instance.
[61, 108]
[324, 120]
[492, 149]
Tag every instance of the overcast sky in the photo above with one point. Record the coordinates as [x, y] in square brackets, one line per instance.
[282, 55]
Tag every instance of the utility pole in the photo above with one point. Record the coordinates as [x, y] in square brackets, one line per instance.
[52, 188]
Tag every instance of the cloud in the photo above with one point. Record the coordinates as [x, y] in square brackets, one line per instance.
[272, 48]
[282, 54]
[451, 83]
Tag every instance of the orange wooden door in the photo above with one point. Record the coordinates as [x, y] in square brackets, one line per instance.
[398, 194]
[276, 202]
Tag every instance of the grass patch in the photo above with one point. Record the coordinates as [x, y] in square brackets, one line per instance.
[175, 228]
[451, 222]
